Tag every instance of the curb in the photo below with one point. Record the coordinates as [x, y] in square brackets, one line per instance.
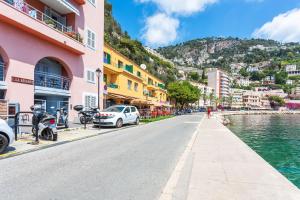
[169, 189]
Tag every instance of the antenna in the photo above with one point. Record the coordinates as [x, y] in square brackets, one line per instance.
[143, 66]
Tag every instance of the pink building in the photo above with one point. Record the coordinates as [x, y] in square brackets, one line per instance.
[49, 51]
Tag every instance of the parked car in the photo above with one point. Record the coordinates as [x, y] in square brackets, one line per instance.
[117, 116]
[7, 136]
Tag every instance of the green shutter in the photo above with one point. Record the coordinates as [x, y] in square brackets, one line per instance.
[109, 58]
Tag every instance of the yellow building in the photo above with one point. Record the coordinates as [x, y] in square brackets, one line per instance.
[128, 83]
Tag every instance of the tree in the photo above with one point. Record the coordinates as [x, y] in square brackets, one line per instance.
[276, 101]
[281, 77]
[194, 76]
[257, 76]
[183, 92]
[243, 72]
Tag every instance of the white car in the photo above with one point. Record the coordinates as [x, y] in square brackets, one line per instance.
[7, 136]
[118, 116]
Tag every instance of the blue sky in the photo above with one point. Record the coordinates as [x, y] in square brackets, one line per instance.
[163, 22]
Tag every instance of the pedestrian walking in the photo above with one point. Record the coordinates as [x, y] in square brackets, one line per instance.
[208, 112]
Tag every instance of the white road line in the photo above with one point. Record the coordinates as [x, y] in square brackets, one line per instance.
[167, 193]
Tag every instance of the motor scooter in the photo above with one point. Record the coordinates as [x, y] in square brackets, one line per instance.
[43, 124]
[62, 118]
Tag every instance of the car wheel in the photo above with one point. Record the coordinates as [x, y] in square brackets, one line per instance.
[82, 120]
[137, 121]
[3, 143]
[119, 123]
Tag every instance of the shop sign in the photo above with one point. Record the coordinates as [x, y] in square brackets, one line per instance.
[21, 80]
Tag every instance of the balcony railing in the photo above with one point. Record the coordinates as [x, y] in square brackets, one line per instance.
[113, 86]
[1, 71]
[38, 15]
[51, 81]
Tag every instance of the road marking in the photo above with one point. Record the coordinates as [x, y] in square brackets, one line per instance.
[197, 122]
[168, 191]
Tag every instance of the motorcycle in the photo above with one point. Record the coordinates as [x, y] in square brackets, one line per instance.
[87, 114]
[44, 123]
[62, 118]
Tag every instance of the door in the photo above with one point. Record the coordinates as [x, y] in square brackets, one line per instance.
[133, 115]
[126, 114]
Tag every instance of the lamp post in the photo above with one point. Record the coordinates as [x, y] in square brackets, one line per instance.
[98, 73]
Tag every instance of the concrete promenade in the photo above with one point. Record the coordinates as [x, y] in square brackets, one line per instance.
[220, 166]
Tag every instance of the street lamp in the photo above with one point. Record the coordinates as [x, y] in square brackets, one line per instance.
[98, 73]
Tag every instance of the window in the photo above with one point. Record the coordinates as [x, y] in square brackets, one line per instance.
[93, 2]
[90, 76]
[120, 64]
[136, 87]
[107, 58]
[133, 109]
[127, 110]
[129, 84]
[91, 39]
[129, 68]
[139, 74]
[90, 100]
[105, 78]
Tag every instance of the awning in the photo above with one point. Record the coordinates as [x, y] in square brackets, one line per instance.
[118, 96]
[139, 101]
[62, 6]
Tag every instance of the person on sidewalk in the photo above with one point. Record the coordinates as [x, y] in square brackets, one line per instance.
[208, 112]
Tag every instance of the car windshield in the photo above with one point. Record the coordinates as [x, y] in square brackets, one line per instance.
[115, 109]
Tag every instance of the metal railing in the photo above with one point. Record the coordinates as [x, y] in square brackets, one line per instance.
[1, 71]
[51, 81]
[113, 85]
[38, 15]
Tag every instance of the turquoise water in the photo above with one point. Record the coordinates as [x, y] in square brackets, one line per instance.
[276, 138]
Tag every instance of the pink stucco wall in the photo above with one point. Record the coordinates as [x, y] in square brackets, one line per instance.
[24, 49]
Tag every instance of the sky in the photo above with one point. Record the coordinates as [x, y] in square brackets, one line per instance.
[164, 22]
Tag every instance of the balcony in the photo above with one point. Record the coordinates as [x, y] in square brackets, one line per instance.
[113, 86]
[31, 20]
[47, 83]
[112, 67]
[62, 6]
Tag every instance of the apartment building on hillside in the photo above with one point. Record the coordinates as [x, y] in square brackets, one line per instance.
[220, 82]
[49, 51]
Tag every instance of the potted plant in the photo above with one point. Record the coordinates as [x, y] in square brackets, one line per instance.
[50, 23]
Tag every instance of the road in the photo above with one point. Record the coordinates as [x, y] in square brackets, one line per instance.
[129, 164]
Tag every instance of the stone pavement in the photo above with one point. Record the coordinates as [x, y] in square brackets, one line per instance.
[24, 142]
[220, 166]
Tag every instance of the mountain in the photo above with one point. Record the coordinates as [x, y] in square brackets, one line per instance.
[223, 52]
[133, 49]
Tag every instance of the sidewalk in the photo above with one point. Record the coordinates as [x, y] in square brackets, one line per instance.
[24, 142]
[221, 167]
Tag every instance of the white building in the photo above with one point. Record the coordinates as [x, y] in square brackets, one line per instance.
[237, 98]
[252, 69]
[292, 70]
[243, 82]
[205, 94]
[219, 81]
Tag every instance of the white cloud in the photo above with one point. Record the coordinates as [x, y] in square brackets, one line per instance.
[284, 27]
[160, 29]
[181, 7]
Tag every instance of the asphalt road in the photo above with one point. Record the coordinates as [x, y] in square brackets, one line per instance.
[129, 164]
